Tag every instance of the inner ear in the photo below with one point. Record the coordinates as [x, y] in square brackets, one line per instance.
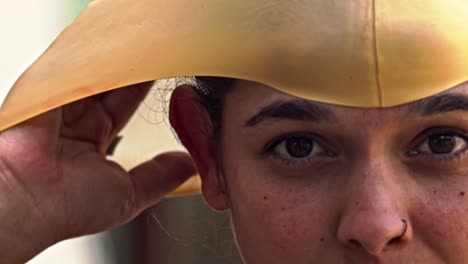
[193, 126]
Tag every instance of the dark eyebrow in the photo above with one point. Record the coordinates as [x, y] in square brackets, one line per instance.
[297, 109]
[440, 104]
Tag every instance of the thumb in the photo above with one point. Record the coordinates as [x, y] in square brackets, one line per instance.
[157, 177]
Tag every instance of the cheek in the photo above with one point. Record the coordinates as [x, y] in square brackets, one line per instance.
[269, 216]
[273, 215]
[442, 222]
[296, 225]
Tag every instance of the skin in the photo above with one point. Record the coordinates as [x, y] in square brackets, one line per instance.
[346, 202]
[55, 180]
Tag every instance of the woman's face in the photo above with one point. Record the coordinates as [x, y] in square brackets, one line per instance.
[309, 182]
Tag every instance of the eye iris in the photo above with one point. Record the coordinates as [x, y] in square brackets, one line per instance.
[299, 147]
[442, 144]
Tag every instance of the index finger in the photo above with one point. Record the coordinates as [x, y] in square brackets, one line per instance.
[120, 104]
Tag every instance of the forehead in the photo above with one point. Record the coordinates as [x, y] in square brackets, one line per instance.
[254, 96]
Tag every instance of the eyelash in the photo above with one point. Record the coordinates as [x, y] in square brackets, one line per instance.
[269, 150]
[443, 158]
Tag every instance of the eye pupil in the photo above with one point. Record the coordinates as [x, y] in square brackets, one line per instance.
[299, 147]
[442, 144]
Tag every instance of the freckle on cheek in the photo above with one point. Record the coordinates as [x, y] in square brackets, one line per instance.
[265, 197]
[462, 193]
[322, 239]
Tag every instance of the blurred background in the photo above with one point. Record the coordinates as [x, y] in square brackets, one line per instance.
[180, 230]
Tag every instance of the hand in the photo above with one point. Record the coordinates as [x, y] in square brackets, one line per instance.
[56, 183]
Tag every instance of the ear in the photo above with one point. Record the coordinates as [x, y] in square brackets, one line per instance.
[193, 126]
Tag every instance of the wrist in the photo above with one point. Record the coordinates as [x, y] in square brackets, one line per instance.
[22, 237]
[16, 250]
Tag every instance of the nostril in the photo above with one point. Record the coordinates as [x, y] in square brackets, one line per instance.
[394, 240]
[355, 243]
[374, 236]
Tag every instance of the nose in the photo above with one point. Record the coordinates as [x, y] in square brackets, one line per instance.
[373, 220]
[375, 237]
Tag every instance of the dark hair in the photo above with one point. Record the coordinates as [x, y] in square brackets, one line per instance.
[212, 92]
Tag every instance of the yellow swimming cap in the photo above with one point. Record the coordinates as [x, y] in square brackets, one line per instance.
[364, 53]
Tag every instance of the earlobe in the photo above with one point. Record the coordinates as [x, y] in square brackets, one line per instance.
[193, 126]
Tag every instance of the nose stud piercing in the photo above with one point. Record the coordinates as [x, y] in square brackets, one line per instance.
[405, 228]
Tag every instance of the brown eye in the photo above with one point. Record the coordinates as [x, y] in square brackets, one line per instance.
[442, 144]
[299, 147]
